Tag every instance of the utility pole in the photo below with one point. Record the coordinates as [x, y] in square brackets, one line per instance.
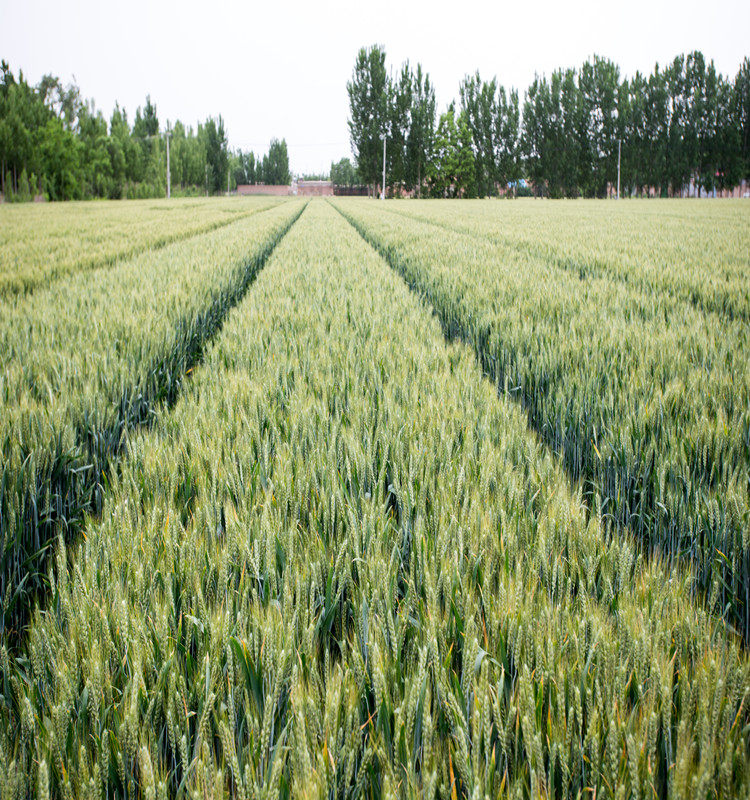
[382, 193]
[206, 178]
[619, 151]
[169, 176]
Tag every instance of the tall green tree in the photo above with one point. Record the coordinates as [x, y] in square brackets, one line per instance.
[740, 105]
[508, 153]
[118, 144]
[571, 109]
[188, 150]
[554, 145]
[479, 105]
[419, 142]
[96, 163]
[727, 145]
[243, 166]
[465, 183]
[343, 173]
[23, 116]
[217, 155]
[535, 132]
[276, 164]
[635, 141]
[452, 171]
[598, 84]
[145, 165]
[678, 150]
[60, 153]
[399, 123]
[368, 112]
[657, 130]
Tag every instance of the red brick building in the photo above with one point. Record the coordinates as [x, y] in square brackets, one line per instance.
[260, 188]
[312, 188]
[298, 188]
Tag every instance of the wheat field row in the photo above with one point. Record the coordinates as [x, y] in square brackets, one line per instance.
[644, 392]
[353, 553]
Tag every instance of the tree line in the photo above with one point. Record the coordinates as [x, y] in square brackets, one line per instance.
[683, 123]
[271, 169]
[55, 144]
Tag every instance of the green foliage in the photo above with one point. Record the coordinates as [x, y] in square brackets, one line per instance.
[271, 169]
[24, 188]
[479, 101]
[401, 110]
[368, 109]
[276, 164]
[48, 131]
[146, 124]
[343, 173]
[217, 162]
[419, 141]
[60, 154]
[244, 166]
[740, 112]
[680, 125]
[451, 172]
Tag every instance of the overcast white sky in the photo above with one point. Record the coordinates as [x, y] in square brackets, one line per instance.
[280, 68]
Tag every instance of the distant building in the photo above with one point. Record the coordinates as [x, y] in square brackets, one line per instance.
[262, 188]
[312, 188]
[298, 188]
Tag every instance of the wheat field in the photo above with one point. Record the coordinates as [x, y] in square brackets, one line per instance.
[403, 499]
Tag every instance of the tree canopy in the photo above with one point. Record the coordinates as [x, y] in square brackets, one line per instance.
[54, 144]
[682, 123]
[343, 173]
[276, 164]
[369, 109]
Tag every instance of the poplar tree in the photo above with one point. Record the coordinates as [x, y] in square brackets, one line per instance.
[421, 136]
[368, 108]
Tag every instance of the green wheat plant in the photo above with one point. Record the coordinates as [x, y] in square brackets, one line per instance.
[643, 393]
[688, 251]
[40, 243]
[342, 566]
[92, 356]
